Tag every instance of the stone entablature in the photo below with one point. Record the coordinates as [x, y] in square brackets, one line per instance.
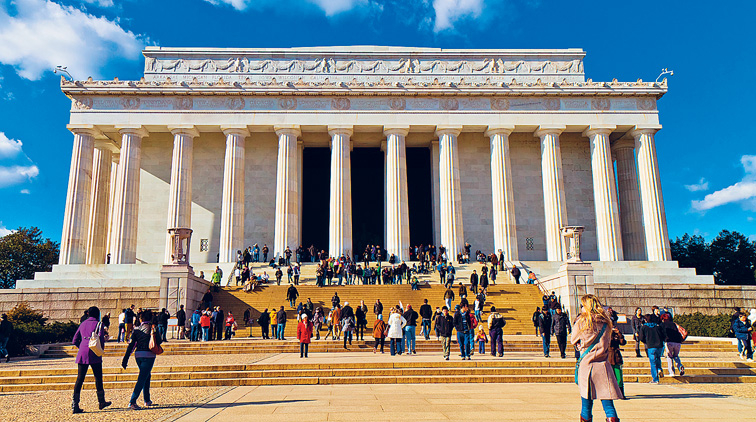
[368, 64]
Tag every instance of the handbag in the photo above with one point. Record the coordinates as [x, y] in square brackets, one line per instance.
[95, 342]
[586, 351]
[155, 347]
[683, 332]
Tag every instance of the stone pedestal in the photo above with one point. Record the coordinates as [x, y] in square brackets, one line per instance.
[570, 283]
[179, 286]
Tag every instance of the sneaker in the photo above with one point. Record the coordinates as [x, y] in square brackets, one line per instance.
[653, 382]
[134, 406]
[742, 357]
[671, 374]
[660, 373]
[447, 358]
[749, 360]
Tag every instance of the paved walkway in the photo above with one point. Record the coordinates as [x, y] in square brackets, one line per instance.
[552, 402]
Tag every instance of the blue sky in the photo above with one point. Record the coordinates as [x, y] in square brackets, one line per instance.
[706, 151]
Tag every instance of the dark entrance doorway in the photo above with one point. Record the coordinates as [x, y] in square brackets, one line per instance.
[420, 199]
[367, 198]
[316, 180]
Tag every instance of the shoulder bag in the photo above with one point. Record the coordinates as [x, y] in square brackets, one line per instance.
[95, 342]
[155, 347]
[586, 351]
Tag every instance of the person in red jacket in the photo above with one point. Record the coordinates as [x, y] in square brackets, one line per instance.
[304, 333]
[205, 323]
[230, 325]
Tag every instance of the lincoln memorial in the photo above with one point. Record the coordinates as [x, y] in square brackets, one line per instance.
[343, 147]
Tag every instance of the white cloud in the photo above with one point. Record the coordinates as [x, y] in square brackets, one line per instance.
[332, 7]
[449, 11]
[101, 3]
[743, 192]
[9, 148]
[24, 191]
[14, 175]
[5, 231]
[236, 4]
[44, 34]
[702, 185]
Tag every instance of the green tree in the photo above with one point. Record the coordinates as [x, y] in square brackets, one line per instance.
[735, 258]
[693, 252]
[23, 253]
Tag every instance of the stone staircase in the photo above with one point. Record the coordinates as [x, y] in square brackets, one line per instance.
[396, 371]
[515, 302]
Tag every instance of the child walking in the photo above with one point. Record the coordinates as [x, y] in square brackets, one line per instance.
[482, 338]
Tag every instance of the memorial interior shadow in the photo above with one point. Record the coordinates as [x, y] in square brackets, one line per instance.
[368, 200]
[316, 176]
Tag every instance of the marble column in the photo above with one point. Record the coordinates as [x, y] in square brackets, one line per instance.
[609, 237]
[73, 241]
[450, 196]
[652, 202]
[180, 191]
[99, 207]
[125, 208]
[300, 169]
[554, 203]
[397, 205]
[232, 203]
[340, 219]
[505, 229]
[286, 228]
[631, 215]
[436, 214]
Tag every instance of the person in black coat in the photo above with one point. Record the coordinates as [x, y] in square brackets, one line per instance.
[637, 323]
[653, 336]
[181, 321]
[445, 325]
[536, 314]
[544, 325]
[264, 322]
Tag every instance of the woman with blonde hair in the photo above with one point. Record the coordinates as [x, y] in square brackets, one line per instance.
[594, 375]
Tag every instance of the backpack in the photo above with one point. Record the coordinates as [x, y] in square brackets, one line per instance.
[683, 332]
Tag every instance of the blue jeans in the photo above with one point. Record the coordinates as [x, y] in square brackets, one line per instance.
[426, 328]
[206, 333]
[587, 411]
[464, 344]
[3, 346]
[448, 305]
[280, 330]
[546, 344]
[195, 332]
[161, 331]
[654, 357]
[395, 346]
[409, 337]
[143, 381]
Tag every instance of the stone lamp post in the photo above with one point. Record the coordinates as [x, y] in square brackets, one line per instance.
[571, 236]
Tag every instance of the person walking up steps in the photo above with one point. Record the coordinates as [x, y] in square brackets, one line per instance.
[594, 375]
[560, 328]
[410, 330]
[426, 313]
[86, 357]
[281, 323]
[144, 336]
[653, 336]
[379, 333]
[544, 325]
[463, 325]
[291, 295]
[448, 297]
[396, 325]
[637, 323]
[496, 323]
[673, 344]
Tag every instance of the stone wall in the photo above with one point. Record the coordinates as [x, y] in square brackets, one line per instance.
[684, 298]
[70, 304]
[474, 153]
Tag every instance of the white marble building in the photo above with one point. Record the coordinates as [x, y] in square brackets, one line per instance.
[521, 144]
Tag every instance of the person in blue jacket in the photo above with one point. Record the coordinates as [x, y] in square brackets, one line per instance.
[743, 330]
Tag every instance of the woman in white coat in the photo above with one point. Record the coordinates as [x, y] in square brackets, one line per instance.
[396, 325]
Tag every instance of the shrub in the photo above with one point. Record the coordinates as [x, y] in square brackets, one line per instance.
[24, 314]
[702, 325]
[30, 327]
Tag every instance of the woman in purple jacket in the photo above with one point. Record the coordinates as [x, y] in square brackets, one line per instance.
[86, 358]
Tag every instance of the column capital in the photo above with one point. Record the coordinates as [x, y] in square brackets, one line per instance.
[549, 130]
[639, 130]
[106, 145]
[599, 129]
[623, 143]
[134, 130]
[235, 130]
[396, 130]
[499, 130]
[292, 130]
[90, 130]
[340, 130]
[184, 130]
[448, 130]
